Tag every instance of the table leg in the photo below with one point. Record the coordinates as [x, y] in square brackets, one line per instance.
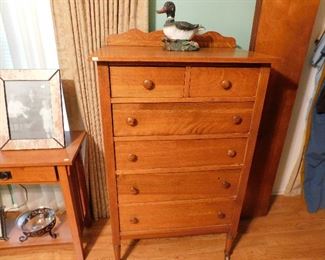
[83, 190]
[117, 252]
[64, 177]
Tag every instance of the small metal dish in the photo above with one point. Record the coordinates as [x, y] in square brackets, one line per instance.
[36, 223]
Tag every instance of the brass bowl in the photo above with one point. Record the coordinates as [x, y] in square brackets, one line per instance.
[36, 223]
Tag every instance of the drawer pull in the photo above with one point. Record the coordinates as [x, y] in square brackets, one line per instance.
[226, 184]
[4, 176]
[148, 84]
[232, 153]
[134, 220]
[132, 157]
[237, 120]
[226, 84]
[134, 191]
[221, 215]
[131, 121]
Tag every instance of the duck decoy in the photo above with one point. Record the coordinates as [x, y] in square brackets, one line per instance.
[179, 30]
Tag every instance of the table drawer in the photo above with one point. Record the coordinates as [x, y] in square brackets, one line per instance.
[131, 155]
[151, 216]
[135, 188]
[181, 118]
[147, 81]
[27, 175]
[224, 82]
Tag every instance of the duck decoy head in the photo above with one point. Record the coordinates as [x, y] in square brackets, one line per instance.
[169, 8]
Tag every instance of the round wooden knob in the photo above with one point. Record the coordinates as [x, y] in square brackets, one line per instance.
[131, 121]
[4, 176]
[225, 84]
[231, 153]
[134, 220]
[132, 157]
[237, 120]
[221, 215]
[148, 84]
[134, 191]
[226, 184]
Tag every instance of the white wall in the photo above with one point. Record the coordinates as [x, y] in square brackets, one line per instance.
[291, 154]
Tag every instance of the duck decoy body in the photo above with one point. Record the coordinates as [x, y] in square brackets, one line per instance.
[177, 30]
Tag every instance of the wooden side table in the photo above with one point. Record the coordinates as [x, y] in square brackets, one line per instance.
[61, 166]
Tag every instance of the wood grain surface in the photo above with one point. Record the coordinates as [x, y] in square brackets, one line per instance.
[177, 214]
[30, 175]
[109, 154]
[63, 156]
[63, 167]
[140, 55]
[207, 82]
[279, 26]
[181, 119]
[136, 188]
[180, 153]
[129, 81]
[175, 114]
[181, 100]
[287, 232]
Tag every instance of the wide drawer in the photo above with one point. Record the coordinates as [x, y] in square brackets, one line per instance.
[27, 175]
[135, 188]
[131, 155]
[155, 216]
[181, 118]
[224, 82]
[147, 81]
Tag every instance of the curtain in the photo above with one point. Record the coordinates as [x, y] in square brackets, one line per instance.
[27, 38]
[81, 27]
[27, 41]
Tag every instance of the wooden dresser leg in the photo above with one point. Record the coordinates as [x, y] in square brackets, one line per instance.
[229, 244]
[117, 252]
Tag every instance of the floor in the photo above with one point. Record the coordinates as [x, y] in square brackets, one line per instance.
[288, 232]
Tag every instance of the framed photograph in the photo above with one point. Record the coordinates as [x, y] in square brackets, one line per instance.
[30, 110]
[3, 231]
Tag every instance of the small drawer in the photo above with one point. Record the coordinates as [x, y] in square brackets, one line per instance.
[147, 81]
[181, 118]
[154, 216]
[131, 155]
[224, 82]
[138, 188]
[27, 175]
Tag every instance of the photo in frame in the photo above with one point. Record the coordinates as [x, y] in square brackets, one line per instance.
[3, 230]
[31, 114]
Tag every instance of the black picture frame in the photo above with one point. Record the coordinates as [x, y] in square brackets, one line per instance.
[3, 229]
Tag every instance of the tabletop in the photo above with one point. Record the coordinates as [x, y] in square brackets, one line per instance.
[46, 157]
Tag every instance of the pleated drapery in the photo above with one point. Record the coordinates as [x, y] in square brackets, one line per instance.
[81, 27]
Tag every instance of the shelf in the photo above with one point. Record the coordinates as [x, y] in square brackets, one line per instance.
[61, 229]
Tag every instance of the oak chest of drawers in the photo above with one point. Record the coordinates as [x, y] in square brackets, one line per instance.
[179, 134]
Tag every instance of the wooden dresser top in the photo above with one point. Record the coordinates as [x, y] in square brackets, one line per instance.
[157, 54]
[136, 46]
